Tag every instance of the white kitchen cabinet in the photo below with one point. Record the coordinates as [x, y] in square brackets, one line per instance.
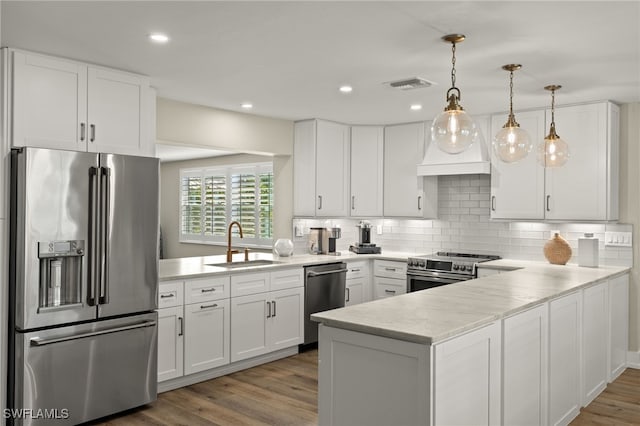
[170, 330]
[263, 321]
[517, 189]
[586, 187]
[618, 325]
[524, 367]
[207, 335]
[389, 278]
[595, 348]
[63, 104]
[565, 318]
[357, 286]
[367, 151]
[466, 378]
[321, 169]
[405, 193]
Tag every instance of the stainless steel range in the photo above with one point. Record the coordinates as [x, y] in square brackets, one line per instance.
[442, 268]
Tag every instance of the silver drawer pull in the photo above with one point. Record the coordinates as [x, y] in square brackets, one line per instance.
[165, 296]
[207, 290]
[390, 291]
[390, 269]
[215, 305]
[355, 270]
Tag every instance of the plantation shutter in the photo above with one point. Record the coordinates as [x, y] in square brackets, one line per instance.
[191, 205]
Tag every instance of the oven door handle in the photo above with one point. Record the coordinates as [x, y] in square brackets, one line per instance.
[440, 279]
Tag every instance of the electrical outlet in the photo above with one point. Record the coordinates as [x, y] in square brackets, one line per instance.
[553, 233]
[299, 231]
[379, 229]
[618, 239]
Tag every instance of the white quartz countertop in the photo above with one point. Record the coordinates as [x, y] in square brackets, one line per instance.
[196, 267]
[433, 315]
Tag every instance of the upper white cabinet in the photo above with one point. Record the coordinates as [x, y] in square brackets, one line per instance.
[405, 193]
[517, 189]
[63, 104]
[585, 188]
[321, 169]
[367, 150]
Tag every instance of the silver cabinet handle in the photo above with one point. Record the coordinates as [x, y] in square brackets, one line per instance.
[92, 128]
[165, 296]
[268, 309]
[355, 270]
[215, 305]
[274, 308]
[316, 274]
[37, 341]
[207, 290]
[419, 202]
[548, 198]
[390, 291]
[319, 202]
[353, 202]
[348, 293]
[390, 269]
[493, 203]
[181, 332]
[82, 131]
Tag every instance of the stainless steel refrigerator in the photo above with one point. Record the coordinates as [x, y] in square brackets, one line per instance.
[83, 285]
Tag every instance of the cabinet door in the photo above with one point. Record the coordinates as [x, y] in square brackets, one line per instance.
[355, 290]
[117, 109]
[304, 168]
[367, 150]
[286, 325]
[388, 287]
[170, 343]
[249, 326]
[578, 190]
[466, 382]
[564, 351]
[332, 169]
[405, 193]
[49, 102]
[595, 325]
[524, 368]
[207, 332]
[517, 189]
[618, 325]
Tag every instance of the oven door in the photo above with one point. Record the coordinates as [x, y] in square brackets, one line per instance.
[423, 280]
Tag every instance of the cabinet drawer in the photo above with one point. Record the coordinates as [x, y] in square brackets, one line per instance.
[388, 287]
[170, 294]
[287, 278]
[357, 269]
[206, 289]
[390, 269]
[245, 284]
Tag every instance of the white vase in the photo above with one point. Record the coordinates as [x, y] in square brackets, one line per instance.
[283, 247]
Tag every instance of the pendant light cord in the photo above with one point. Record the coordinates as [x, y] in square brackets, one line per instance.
[553, 108]
[453, 65]
[511, 93]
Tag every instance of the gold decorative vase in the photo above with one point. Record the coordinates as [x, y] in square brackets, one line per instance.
[557, 250]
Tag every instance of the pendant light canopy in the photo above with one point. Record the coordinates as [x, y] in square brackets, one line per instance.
[553, 151]
[511, 143]
[453, 130]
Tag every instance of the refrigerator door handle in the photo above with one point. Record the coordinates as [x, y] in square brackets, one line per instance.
[36, 341]
[105, 207]
[93, 255]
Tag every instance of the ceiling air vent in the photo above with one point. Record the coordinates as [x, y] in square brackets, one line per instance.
[410, 83]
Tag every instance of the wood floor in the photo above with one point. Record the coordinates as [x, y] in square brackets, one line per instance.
[285, 392]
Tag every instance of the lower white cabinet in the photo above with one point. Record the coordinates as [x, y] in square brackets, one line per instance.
[357, 287]
[618, 325]
[170, 343]
[524, 367]
[466, 378]
[389, 278]
[565, 318]
[206, 336]
[595, 350]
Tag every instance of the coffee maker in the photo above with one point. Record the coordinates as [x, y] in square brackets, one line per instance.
[364, 245]
[323, 240]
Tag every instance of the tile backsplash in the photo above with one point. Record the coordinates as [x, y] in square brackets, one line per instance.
[463, 225]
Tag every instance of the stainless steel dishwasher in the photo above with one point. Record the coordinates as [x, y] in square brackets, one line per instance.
[324, 289]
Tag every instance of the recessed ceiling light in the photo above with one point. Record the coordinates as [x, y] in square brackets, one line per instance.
[247, 105]
[416, 107]
[346, 89]
[159, 38]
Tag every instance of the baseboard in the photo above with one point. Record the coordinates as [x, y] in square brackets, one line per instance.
[633, 359]
[191, 379]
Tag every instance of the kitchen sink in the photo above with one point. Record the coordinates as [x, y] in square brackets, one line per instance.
[244, 264]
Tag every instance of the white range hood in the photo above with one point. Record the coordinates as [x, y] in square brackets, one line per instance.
[475, 160]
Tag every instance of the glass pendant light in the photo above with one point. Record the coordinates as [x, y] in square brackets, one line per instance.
[511, 143]
[453, 130]
[553, 151]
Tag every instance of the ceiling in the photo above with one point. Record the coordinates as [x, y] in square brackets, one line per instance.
[289, 58]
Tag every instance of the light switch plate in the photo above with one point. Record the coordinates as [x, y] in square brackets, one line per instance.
[618, 239]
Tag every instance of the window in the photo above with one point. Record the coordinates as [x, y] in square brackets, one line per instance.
[211, 198]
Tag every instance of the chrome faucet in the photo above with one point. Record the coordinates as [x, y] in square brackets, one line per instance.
[231, 252]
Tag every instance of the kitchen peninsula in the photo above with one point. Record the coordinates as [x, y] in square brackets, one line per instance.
[529, 344]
